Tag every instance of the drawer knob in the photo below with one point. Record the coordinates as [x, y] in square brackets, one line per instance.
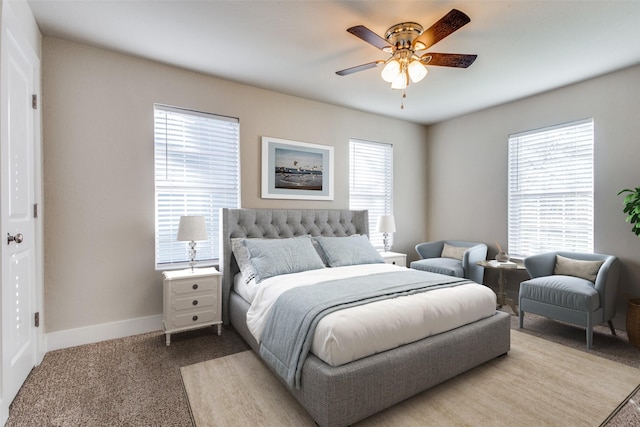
[195, 286]
[194, 318]
[195, 302]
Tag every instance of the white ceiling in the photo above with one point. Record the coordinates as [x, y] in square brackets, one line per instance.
[295, 47]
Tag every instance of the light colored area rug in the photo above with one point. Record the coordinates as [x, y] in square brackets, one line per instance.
[537, 383]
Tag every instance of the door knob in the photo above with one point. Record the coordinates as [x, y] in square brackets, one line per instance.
[18, 238]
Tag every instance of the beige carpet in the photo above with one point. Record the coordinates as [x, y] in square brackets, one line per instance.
[538, 383]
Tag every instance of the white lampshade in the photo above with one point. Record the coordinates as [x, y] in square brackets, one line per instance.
[386, 224]
[391, 70]
[417, 71]
[401, 81]
[192, 228]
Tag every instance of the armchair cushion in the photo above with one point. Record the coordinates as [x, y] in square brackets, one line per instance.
[564, 291]
[448, 266]
[455, 252]
[587, 270]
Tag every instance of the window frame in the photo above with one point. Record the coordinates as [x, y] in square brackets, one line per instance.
[181, 187]
[550, 189]
[360, 200]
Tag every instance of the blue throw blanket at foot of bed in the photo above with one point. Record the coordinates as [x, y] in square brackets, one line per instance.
[288, 333]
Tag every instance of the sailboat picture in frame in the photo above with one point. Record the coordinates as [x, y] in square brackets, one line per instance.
[296, 170]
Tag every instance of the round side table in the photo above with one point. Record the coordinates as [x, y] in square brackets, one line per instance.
[502, 281]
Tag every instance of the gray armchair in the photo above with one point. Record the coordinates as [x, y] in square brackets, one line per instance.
[571, 287]
[463, 263]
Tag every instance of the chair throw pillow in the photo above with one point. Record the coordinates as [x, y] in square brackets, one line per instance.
[587, 270]
[455, 252]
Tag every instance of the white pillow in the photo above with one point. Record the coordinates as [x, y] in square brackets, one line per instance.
[242, 258]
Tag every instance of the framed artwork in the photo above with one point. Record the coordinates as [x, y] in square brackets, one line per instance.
[296, 170]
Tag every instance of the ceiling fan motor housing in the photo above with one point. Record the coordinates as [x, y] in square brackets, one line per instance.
[402, 35]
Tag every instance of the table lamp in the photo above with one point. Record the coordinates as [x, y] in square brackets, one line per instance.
[386, 225]
[192, 228]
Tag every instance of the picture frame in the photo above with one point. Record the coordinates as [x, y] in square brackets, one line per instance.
[296, 170]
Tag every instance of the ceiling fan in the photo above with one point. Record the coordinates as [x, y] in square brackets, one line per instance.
[403, 41]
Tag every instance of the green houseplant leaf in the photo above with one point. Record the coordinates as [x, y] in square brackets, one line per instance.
[632, 208]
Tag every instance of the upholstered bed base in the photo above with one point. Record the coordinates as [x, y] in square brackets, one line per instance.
[343, 395]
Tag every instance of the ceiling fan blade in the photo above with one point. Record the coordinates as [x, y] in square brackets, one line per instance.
[449, 23]
[370, 37]
[457, 60]
[359, 68]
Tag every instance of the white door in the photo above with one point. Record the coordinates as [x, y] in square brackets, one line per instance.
[17, 190]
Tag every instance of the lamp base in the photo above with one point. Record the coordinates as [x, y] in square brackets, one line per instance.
[192, 254]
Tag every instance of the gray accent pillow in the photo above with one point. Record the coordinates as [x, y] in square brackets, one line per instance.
[272, 257]
[320, 252]
[352, 250]
[242, 258]
[455, 252]
[587, 270]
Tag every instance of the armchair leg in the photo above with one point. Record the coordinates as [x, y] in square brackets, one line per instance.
[613, 330]
[589, 337]
[521, 318]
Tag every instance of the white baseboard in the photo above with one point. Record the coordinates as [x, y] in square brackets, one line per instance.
[105, 331]
[4, 412]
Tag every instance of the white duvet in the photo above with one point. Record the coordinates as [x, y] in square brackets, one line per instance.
[356, 332]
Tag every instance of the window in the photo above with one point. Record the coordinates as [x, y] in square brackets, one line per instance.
[197, 172]
[371, 182]
[551, 189]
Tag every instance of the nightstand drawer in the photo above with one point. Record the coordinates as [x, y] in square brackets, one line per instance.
[194, 302]
[193, 319]
[193, 285]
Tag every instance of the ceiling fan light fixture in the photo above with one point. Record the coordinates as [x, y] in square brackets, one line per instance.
[401, 81]
[418, 45]
[403, 41]
[391, 70]
[417, 71]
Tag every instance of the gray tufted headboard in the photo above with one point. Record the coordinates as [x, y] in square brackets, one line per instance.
[280, 224]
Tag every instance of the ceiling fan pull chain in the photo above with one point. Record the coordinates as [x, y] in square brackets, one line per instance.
[404, 95]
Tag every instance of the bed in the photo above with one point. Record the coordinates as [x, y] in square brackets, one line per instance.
[342, 395]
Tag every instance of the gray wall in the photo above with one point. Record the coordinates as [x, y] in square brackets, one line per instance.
[467, 174]
[98, 171]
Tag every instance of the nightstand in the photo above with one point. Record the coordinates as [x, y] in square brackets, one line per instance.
[191, 300]
[394, 258]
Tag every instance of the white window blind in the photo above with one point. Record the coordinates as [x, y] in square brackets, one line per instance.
[197, 172]
[371, 183]
[551, 189]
